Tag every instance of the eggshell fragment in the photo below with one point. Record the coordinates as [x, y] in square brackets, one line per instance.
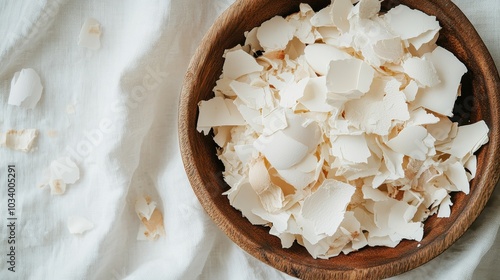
[456, 174]
[61, 172]
[253, 97]
[25, 89]
[275, 34]
[368, 8]
[422, 71]
[239, 63]
[340, 12]
[375, 112]
[244, 198]
[151, 227]
[349, 77]
[79, 225]
[90, 34]
[469, 139]
[323, 17]
[280, 150]
[319, 56]
[389, 50]
[19, 140]
[315, 96]
[144, 207]
[352, 148]
[409, 23]
[302, 174]
[326, 207]
[292, 92]
[218, 112]
[410, 142]
[270, 195]
[441, 98]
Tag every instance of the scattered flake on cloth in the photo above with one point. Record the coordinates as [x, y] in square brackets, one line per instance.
[333, 127]
[151, 227]
[25, 89]
[19, 140]
[61, 172]
[90, 34]
[79, 225]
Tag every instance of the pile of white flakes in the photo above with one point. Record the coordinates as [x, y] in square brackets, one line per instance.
[334, 129]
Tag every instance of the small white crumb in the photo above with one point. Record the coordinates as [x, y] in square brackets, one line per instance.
[26, 89]
[90, 34]
[19, 140]
[79, 225]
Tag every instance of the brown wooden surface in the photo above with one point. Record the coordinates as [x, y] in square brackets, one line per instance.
[205, 171]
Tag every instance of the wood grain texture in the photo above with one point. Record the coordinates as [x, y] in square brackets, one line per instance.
[480, 100]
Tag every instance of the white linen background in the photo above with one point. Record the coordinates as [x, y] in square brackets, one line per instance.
[134, 82]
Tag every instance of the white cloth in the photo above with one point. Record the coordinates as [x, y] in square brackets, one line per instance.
[133, 83]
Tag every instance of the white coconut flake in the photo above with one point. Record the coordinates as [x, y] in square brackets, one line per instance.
[90, 34]
[25, 89]
[19, 140]
[336, 136]
[79, 225]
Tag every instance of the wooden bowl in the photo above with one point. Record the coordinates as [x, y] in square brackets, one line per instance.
[480, 100]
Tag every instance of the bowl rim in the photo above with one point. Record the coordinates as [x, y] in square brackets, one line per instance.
[488, 177]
